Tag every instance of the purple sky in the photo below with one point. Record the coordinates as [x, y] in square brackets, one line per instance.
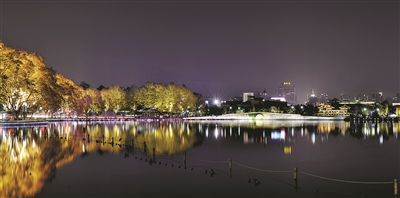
[216, 48]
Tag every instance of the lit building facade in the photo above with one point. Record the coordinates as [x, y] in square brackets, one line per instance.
[247, 96]
[312, 99]
[328, 110]
[288, 91]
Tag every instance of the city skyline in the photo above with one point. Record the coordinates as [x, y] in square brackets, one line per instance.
[215, 48]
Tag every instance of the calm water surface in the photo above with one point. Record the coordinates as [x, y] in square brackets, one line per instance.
[200, 159]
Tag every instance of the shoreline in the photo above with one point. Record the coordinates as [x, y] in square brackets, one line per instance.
[226, 117]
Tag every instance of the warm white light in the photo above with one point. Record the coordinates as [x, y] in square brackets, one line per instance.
[313, 138]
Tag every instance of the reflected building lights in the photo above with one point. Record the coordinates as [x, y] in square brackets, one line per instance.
[216, 132]
[313, 138]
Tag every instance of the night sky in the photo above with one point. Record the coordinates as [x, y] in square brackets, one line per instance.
[216, 48]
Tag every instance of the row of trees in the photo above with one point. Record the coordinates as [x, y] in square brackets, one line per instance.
[28, 85]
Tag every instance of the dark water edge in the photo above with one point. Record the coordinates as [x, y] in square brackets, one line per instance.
[334, 159]
[135, 178]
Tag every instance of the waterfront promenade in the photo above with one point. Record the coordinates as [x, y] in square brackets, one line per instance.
[258, 116]
[264, 116]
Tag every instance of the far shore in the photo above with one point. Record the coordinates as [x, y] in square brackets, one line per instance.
[226, 117]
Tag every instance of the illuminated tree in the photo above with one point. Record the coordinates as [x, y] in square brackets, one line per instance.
[51, 93]
[166, 98]
[25, 80]
[69, 93]
[113, 98]
[383, 108]
[90, 102]
[185, 99]
[149, 95]
[130, 92]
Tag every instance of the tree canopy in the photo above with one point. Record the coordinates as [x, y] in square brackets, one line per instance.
[28, 85]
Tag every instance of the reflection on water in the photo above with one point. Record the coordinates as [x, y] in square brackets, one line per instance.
[31, 156]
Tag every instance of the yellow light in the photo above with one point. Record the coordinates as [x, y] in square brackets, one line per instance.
[287, 149]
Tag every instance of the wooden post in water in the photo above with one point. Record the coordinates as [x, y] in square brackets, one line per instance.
[154, 155]
[230, 168]
[295, 170]
[396, 187]
[145, 147]
[184, 160]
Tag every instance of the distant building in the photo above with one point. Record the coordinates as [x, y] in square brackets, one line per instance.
[397, 108]
[377, 97]
[312, 99]
[344, 97]
[264, 94]
[282, 99]
[323, 98]
[328, 110]
[396, 98]
[247, 96]
[287, 91]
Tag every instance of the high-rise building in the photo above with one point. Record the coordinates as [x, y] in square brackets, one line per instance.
[247, 96]
[313, 99]
[324, 98]
[264, 94]
[344, 97]
[377, 97]
[287, 91]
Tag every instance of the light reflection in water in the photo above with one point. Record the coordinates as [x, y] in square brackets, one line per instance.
[30, 155]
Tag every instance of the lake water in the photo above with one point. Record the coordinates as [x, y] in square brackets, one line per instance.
[200, 159]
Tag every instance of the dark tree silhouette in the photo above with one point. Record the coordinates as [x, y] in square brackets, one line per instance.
[84, 85]
[101, 87]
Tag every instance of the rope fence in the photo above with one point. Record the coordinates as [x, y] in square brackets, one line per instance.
[209, 161]
[262, 170]
[143, 147]
[341, 180]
